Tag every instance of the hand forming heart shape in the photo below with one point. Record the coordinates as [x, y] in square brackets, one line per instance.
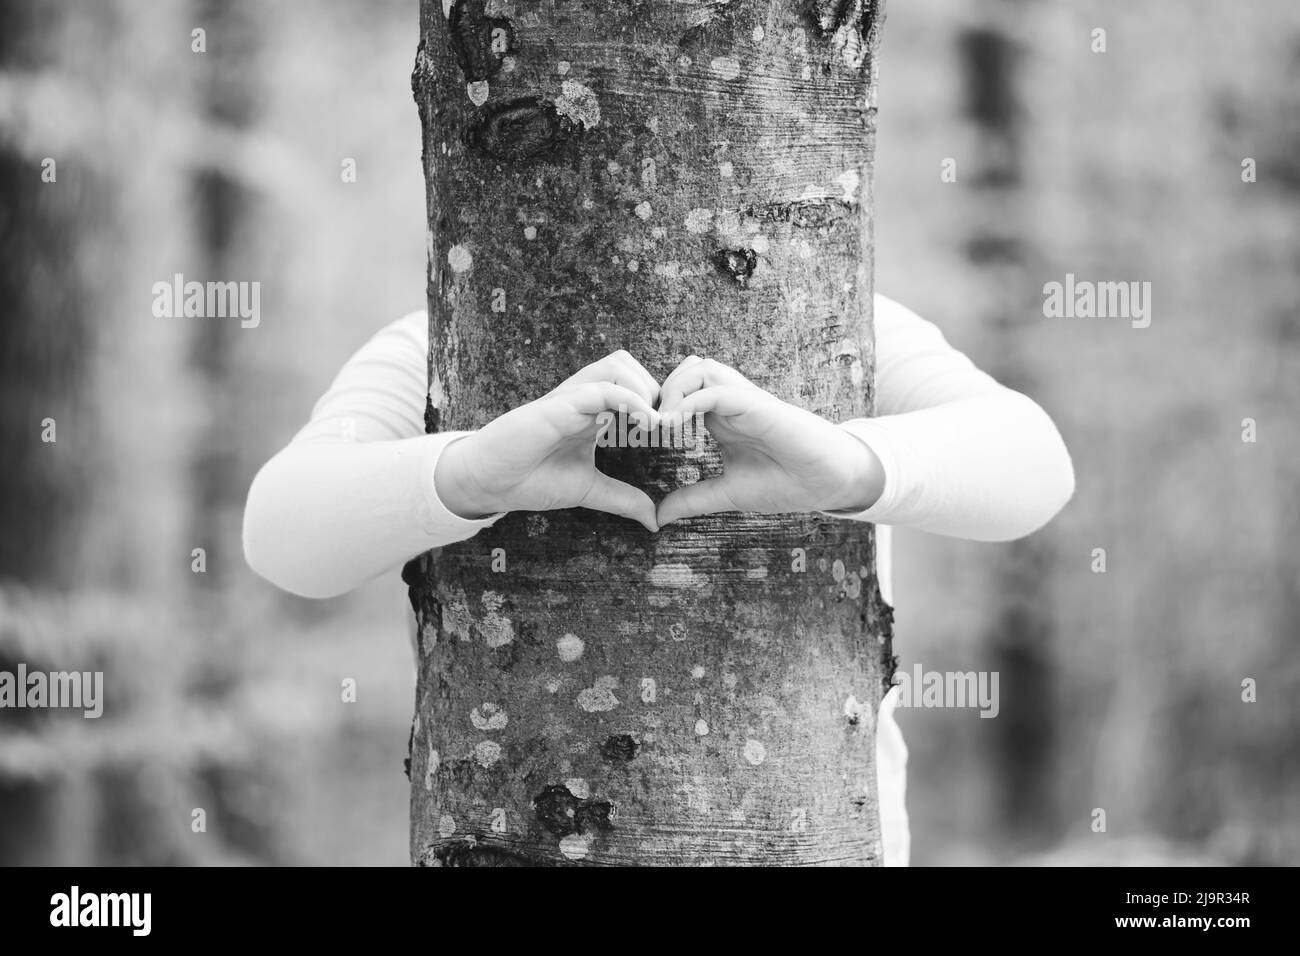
[541, 456]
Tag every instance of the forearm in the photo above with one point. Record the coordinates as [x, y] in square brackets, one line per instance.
[325, 516]
[991, 467]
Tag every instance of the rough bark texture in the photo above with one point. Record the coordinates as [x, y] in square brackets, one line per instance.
[669, 178]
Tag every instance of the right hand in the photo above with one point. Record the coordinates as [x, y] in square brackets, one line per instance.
[542, 456]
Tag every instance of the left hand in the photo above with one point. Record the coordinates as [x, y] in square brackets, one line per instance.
[776, 457]
[542, 456]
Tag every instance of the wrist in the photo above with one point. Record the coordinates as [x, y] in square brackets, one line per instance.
[864, 476]
[455, 486]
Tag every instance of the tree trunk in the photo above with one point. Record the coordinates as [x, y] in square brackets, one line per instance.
[1001, 247]
[668, 178]
[44, 334]
[223, 211]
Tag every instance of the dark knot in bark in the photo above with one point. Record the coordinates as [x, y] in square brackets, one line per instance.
[619, 748]
[480, 42]
[561, 813]
[736, 264]
[518, 130]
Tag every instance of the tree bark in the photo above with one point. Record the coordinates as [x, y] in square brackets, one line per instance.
[668, 178]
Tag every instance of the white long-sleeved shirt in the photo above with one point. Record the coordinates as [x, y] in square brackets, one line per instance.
[352, 495]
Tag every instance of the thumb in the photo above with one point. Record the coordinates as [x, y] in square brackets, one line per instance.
[702, 498]
[619, 498]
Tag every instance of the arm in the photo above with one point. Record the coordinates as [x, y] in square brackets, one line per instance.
[953, 452]
[360, 490]
[962, 455]
[352, 495]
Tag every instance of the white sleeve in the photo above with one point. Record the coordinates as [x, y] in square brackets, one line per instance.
[962, 455]
[352, 495]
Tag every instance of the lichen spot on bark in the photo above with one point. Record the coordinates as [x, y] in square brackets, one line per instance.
[498, 630]
[487, 753]
[460, 258]
[456, 618]
[676, 576]
[599, 696]
[578, 104]
[569, 647]
[488, 716]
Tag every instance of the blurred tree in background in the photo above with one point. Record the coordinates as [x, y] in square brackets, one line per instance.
[1120, 690]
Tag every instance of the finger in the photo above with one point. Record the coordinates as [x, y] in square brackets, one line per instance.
[639, 378]
[621, 368]
[619, 498]
[705, 373]
[594, 397]
[674, 377]
[685, 363]
[702, 498]
[724, 400]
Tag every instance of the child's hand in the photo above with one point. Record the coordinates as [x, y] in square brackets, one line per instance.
[542, 456]
[776, 457]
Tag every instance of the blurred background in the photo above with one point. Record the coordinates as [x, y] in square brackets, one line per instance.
[1119, 690]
